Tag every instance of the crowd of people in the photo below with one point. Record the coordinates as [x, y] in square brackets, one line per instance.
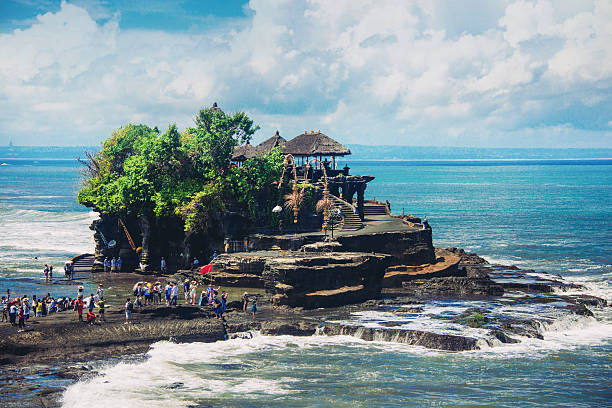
[154, 293]
[17, 311]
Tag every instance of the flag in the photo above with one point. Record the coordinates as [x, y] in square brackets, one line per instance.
[206, 268]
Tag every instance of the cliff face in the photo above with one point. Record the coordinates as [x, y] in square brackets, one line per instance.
[153, 238]
[410, 247]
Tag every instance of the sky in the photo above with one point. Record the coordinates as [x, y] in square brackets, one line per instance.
[480, 73]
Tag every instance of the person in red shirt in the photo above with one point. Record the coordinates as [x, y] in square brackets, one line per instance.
[80, 304]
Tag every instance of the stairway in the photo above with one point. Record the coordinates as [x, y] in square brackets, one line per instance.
[83, 263]
[351, 221]
[374, 210]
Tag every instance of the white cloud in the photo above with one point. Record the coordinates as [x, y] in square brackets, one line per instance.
[407, 71]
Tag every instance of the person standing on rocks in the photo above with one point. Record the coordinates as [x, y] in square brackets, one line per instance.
[186, 291]
[174, 297]
[245, 301]
[46, 272]
[106, 265]
[50, 273]
[129, 307]
[101, 305]
[168, 292]
[223, 302]
[100, 292]
[13, 313]
[4, 309]
[163, 265]
[79, 306]
[193, 288]
[118, 264]
[254, 307]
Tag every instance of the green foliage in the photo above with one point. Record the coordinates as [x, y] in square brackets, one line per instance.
[252, 178]
[142, 172]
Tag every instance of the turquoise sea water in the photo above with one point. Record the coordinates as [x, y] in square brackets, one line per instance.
[548, 215]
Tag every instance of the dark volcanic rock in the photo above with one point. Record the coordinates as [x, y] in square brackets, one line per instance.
[467, 258]
[279, 328]
[455, 287]
[313, 280]
[580, 309]
[414, 337]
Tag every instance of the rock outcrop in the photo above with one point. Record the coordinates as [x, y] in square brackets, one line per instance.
[413, 337]
[312, 280]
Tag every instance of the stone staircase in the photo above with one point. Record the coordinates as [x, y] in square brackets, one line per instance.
[83, 263]
[351, 221]
[374, 210]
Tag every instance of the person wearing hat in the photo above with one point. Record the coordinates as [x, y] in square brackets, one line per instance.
[100, 292]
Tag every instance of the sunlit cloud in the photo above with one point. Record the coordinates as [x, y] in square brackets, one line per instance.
[520, 73]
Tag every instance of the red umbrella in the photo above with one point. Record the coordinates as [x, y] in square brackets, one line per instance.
[206, 268]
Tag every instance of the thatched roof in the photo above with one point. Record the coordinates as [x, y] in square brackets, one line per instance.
[315, 144]
[244, 152]
[267, 145]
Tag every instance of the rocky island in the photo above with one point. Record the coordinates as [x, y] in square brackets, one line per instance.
[281, 221]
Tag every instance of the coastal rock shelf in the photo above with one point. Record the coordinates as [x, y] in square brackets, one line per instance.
[305, 279]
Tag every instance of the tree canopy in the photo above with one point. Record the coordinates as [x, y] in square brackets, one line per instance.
[140, 171]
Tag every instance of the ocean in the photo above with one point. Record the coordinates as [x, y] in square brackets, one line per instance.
[548, 214]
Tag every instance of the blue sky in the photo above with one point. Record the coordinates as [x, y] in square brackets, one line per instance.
[507, 73]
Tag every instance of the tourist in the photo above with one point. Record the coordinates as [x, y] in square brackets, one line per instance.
[202, 300]
[113, 264]
[118, 264]
[106, 265]
[163, 265]
[174, 297]
[138, 293]
[129, 307]
[21, 322]
[193, 291]
[91, 303]
[91, 317]
[186, 291]
[217, 308]
[100, 292]
[4, 305]
[196, 263]
[8, 296]
[214, 256]
[79, 292]
[246, 245]
[101, 309]
[168, 291]
[50, 273]
[26, 308]
[39, 308]
[223, 302]
[210, 293]
[254, 307]
[13, 312]
[245, 301]
[79, 307]
[46, 272]
[156, 293]
[426, 224]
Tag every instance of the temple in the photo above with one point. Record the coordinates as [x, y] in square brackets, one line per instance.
[315, 156]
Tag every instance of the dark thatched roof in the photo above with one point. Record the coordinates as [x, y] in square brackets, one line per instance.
[267, 145]
[315, 144]
[244, 152]
[307, 144]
